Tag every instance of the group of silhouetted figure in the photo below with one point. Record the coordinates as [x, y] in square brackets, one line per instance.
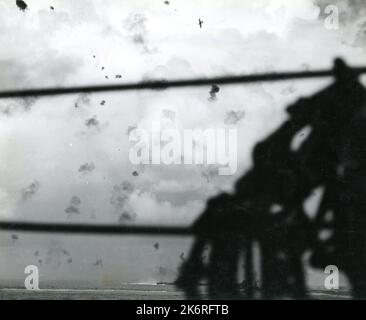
[267, 207]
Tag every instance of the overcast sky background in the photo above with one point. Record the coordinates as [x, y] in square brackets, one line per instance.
[44, 142]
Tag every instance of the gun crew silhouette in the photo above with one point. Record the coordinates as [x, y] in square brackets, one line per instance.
[267, 207]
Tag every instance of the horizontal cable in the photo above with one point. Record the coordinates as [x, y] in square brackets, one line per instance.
[95, 228]
[157, 85]
[164, 84]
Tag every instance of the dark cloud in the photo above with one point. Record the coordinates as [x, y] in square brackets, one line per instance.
[14, 238]
[213, 91]
[21, 104]
[92, 122]
[70, 210]
[127, 216]
[55, 255]
[121, 193]
[98, 263]
[233, 117]
[30, 191]
[125, 187]
[135, 25]
[87, 167]
[73, 208]
[120, 201]
[28, 102]
[75, 201]
[82, 99]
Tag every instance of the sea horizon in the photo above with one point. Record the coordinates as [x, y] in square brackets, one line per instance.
[135, 291]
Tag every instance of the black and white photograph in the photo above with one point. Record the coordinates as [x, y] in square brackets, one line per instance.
[182, 150]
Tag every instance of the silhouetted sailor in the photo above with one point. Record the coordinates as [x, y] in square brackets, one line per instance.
[267, 207]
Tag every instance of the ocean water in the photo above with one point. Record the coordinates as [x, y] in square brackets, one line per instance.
[132, 292]
[125, 292]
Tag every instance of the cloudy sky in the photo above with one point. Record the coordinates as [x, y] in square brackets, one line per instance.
[66, 159]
